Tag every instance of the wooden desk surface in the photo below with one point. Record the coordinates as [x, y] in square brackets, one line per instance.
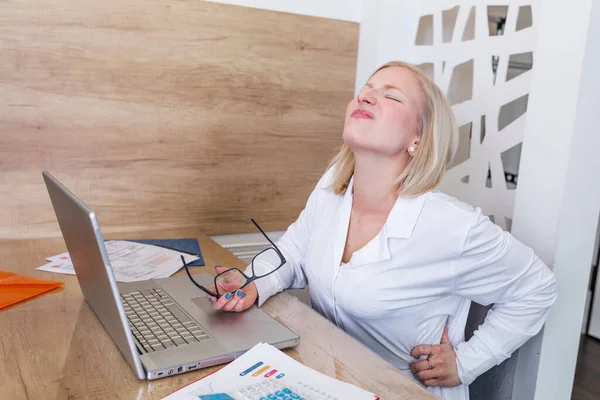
[54, 347]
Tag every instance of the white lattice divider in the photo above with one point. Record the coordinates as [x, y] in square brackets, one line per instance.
[452, 40]
[469, 180]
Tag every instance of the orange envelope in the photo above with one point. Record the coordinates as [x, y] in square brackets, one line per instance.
[15, 288]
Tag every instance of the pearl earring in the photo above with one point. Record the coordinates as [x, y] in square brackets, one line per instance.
[411, 149]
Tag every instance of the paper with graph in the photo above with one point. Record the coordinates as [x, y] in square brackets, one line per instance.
[264, 368]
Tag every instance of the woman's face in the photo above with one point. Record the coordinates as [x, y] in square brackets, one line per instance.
[384, 117]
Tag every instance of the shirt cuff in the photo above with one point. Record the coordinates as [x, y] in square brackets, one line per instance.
[266, 286]
[473, 358]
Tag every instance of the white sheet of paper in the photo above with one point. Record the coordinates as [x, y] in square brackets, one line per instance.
[295, 375]
[58, 268]
[130, 261]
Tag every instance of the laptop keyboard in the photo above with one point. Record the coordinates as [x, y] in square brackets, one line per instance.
[157, 322]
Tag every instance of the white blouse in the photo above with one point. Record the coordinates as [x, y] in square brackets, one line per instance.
[433, 256]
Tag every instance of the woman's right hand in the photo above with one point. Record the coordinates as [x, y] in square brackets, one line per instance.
[234, 300]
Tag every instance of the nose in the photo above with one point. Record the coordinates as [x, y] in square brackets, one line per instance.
[367, 97]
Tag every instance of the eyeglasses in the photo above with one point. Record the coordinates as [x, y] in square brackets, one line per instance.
[234, 279]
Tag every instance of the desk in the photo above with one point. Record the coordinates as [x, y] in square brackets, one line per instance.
[54, 347]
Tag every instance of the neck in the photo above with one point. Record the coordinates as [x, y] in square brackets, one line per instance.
[375, 187]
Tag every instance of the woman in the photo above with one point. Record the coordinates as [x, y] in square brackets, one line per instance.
[395, 263]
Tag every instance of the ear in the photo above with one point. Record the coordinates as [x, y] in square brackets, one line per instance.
[413, 147]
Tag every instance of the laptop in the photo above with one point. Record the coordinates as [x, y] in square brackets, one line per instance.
[162, 327]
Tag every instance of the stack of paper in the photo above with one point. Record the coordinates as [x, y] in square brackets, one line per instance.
[130, 261]
[264, 363]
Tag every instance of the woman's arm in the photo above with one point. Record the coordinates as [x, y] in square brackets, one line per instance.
[494, 267]
[293, 244]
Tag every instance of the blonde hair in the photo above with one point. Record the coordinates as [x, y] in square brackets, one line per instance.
[439, 138]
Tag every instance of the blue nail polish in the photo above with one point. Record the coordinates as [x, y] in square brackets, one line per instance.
[240, 293]
[210, 299]
[244, 295]
[228, 295]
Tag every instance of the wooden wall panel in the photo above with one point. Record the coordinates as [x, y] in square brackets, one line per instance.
[163, 113]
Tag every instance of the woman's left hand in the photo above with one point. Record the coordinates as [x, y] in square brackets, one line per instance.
[439, 368]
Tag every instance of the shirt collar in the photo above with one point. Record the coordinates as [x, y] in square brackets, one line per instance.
[404, 215]
[400, 224]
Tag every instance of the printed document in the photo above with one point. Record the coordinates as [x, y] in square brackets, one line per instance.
[264, 366]
[130, 261]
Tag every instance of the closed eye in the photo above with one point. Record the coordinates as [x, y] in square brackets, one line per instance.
[393, 98]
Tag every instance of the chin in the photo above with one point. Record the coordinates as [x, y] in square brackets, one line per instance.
[360, 145]
[353, 140]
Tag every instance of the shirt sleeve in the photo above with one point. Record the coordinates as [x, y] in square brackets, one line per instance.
[494, 267]
[293, 245]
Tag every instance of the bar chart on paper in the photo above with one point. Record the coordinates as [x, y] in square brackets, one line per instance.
[265, 372]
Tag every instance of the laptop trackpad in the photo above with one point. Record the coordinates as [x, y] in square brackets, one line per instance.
[221, 319]
[240, 330]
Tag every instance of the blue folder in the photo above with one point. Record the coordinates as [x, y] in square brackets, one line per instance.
[190, 246]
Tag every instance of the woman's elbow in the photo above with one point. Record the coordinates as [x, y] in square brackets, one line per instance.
[548, 292]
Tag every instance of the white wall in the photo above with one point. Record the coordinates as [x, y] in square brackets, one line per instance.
[344, 10]
[558, 203]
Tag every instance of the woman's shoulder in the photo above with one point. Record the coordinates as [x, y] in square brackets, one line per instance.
[437, 221]
[448, 209]
[442, 201]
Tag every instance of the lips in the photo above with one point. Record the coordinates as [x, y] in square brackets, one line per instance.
[361, 114]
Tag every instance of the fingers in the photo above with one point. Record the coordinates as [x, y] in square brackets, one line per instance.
[224, 287]
[439, 368]
[224, 280]
[428, 374]
[419, 366]
[229, 302]
[432, 382]
[422, 350]
[241, 305]
[211, 298]
[223, 300]
[430, 369]
[219, 269]
[445, 338]
[231, 298]
[229, 280]
[234, 301]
